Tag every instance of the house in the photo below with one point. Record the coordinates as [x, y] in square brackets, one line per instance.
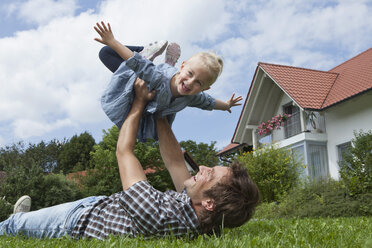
[326, 107]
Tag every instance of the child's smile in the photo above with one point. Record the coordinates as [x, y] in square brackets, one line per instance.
[192, 79]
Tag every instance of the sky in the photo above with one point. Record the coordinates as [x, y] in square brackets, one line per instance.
[51, 78]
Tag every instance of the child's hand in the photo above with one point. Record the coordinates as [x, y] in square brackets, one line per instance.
[105, 32]
[233, 102]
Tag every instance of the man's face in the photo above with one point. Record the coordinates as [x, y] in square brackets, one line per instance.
[205, 179]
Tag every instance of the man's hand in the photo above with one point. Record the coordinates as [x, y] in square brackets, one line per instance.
[107, 37]
[142, 92]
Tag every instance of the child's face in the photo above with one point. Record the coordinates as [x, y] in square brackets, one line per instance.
[193, 78]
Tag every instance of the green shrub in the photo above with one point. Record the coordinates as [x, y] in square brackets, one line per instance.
[327, 198]
[356, 168]
[274, 170]
[24, 177]
[57, 190]
[5, 209]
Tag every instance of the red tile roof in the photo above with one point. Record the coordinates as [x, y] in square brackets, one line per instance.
[355, 76]
[313, 89]
[229, 147]
[307, 87]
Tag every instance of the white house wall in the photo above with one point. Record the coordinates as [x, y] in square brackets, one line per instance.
[341, 121]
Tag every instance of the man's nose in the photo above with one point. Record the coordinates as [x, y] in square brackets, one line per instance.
[203, 168]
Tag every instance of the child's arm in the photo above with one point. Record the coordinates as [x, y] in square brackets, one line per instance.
[108, 39]
[220, 105]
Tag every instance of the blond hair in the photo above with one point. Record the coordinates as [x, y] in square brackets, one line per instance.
[212, 62]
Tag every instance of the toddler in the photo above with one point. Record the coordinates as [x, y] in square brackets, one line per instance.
[175, 89]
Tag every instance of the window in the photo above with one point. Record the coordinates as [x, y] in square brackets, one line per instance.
[293, 125]
[342, 150]
[318, 166]
[298, 153]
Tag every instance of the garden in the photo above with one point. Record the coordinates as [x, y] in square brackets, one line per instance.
[294, 211]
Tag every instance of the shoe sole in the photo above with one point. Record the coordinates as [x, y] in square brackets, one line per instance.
[20, 202]
[173, 54]
[161, 50]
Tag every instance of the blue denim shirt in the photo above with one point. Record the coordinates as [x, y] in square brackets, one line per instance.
[118, 97]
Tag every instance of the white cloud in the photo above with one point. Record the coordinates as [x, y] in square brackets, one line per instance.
[26, 128]
[43, 11]
[292, 30]
[53, 73]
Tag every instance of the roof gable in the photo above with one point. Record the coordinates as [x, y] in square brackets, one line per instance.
[314, 89]
[307, 87]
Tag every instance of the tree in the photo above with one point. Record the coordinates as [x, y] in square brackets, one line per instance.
[43, 154]
[10, 153]
[356, 168]
[23, 176]
[103, 178]
[202, 153]
[46, 154]
[75, 154]
[26, 177]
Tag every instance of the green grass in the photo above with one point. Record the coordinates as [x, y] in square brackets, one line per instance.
[336, 232]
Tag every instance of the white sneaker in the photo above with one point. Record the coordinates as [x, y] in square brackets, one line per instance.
[153, 50]
[22, 205]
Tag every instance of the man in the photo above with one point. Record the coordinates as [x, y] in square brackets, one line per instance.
[214, 197]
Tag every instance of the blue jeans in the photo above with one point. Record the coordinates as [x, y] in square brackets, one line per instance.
[111, 59]
[52, 222]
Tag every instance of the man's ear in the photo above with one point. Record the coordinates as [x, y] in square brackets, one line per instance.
[208, 204]
[182, 64]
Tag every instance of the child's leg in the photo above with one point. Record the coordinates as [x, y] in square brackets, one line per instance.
[111, 59]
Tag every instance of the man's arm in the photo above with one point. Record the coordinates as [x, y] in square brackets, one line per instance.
[108, 39]
[130, 168]
[172, 155]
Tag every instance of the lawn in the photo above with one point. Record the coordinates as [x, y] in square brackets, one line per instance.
[335, 232]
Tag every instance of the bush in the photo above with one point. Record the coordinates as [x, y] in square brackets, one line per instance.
[24, 177]
[57, 189]
[356, 168]
[275, 171]
[327, 198]
[5, 209]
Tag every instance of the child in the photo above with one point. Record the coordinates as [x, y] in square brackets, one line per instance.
[174, 90]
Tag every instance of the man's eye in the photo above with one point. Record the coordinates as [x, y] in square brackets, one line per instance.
[190, 73]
